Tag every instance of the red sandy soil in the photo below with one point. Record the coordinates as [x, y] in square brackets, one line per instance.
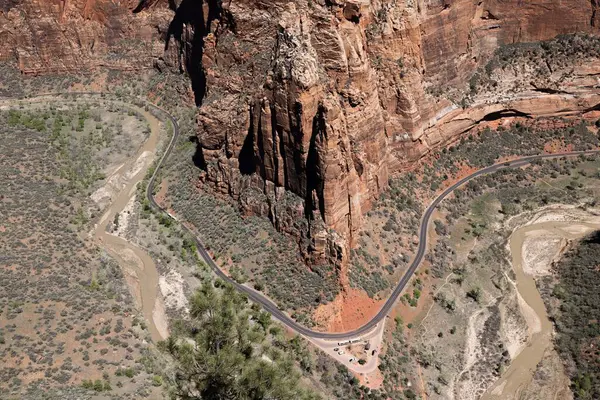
[97, 85]
[162, 199]
[505, 122]
[415, 314]
[423, 391]
[2, 228]
[161, 196]
[373, 380]
[351, 309]
[592, 115]
[557, 146]
[463, 170]
[410, 314]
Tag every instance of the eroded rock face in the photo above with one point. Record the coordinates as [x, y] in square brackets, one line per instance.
[50, 36]
[319, 98]
[325, 98]
[310, 118]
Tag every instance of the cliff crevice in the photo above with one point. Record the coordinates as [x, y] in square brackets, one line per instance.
[307, 106]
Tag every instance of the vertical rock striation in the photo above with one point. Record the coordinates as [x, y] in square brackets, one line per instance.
[57, 36]
[324, 98]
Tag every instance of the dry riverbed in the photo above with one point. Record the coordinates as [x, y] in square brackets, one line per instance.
[70, 319]
[534, 247]
[500, 346]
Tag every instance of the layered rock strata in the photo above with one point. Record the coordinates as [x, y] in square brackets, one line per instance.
[326, 98]
[319, 98]
[57, 36]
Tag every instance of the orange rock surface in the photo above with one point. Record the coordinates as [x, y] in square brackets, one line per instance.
[321, 98]
[51, 36]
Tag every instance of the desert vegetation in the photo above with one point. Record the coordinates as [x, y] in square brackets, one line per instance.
[69, 319]
[464, 275]
[249, 247]
[539, 58]
[572, 296]
[389, 239]
[223, 352]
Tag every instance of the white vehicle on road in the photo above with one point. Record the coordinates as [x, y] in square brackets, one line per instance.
[341, 352]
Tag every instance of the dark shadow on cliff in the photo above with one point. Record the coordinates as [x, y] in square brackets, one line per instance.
[7, 5]
[314, 180]
[198, 157]
[593, 238]
[593, 108]
[504, 114]
[189, 28]
[246, 159]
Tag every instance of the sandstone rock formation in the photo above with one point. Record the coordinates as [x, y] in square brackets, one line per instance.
[51, 36]
[325, 98]
[319, 98]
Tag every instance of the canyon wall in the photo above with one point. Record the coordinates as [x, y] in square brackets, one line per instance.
[320, 98]
[58, 36]
[325, 98]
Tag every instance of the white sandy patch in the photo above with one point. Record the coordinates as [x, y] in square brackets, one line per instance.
[171, 287]
[266, 358]
[160, 318]
[117, 180]
[554, 213]
[533, 320]
[552, 216]
[564, 213]
[538, 251]
[578, 230]
[131, 258]
[467, 381]
[513, 329]
[499, 389]
[142, 161]
[133, 281]
[108, 192]
[124, 218]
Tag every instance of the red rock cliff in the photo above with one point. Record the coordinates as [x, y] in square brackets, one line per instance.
[321, 98]
[325, 97]
[49, 36]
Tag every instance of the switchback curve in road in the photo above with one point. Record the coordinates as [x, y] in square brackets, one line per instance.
[271, 307]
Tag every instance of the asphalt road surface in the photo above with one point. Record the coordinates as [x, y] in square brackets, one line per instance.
[271, 307]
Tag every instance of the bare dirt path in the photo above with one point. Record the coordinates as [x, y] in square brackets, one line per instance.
[524, 365]
[375, 338]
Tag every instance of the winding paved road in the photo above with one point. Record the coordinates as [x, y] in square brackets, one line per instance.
[271, 307]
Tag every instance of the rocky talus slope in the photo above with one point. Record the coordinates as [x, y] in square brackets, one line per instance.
[320, 98]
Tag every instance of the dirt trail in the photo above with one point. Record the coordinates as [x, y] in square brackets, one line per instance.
[522, 368]
[138, 267]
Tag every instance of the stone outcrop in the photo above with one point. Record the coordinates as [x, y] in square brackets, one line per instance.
[322, 99]
[325, 98]
[53, 36]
